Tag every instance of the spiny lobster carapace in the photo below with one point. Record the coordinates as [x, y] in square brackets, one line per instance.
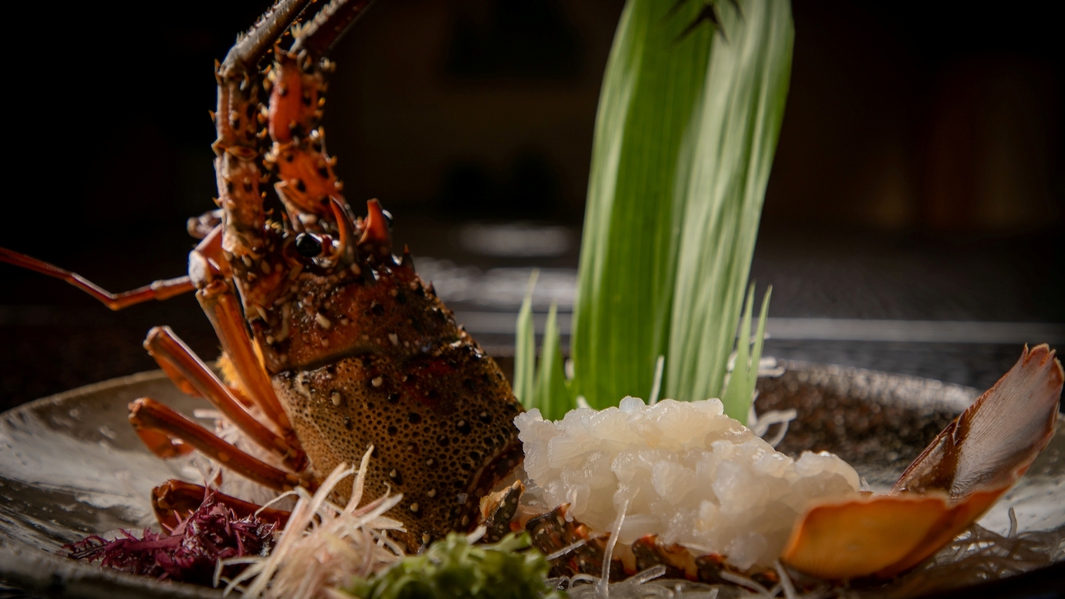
[332, 343]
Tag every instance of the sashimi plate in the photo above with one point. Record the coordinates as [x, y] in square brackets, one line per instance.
[70, 466]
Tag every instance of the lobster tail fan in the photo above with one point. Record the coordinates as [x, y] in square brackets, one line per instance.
[972, 463]
[995, 440]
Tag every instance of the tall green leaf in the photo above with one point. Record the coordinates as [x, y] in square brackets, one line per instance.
[688, 120]
[746, 87]
[687, 125]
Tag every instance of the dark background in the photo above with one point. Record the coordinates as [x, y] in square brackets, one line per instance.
[919, 172]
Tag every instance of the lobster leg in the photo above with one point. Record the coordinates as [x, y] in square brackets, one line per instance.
[156, 290]
[152, 419]
[221, 307]
[220, 304]
[188, 370]
[175, 499]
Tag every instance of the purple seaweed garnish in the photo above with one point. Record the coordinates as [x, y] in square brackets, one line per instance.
[189, 552]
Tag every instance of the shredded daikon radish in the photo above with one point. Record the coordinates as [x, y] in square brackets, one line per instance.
[324, 545]
[759, 425]
[979, 555]
[608, 555]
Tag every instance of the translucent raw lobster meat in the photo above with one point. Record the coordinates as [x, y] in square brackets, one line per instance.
[976, 459]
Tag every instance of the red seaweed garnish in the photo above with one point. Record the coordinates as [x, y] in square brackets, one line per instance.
[189, 552]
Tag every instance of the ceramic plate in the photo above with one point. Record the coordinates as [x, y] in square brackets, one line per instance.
[70, 464]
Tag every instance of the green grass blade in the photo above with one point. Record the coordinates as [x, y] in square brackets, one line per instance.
[552, 396]
[525, 348]
[759, 337]
[739, 393]
[733, 396]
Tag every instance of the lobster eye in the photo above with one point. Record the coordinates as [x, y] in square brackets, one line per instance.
[308, 246]
[388, 218]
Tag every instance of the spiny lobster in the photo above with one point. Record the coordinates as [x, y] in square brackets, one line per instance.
[331, 342]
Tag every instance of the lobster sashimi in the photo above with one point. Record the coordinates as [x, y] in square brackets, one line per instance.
[685, 487]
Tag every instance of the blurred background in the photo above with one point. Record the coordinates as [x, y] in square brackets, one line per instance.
[913, 221]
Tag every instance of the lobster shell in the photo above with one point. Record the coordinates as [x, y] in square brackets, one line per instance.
[407, 380]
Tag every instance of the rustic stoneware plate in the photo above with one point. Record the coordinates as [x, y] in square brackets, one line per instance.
[70, 465]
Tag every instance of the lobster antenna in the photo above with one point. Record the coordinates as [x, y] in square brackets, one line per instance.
[245, 55]
[319, 34]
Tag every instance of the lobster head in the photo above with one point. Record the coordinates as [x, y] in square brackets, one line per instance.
[322, 296]
[361, 352]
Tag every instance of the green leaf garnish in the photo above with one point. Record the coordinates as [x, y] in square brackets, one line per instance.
[739, 392]
[525, 349]
[688, 121]
[452, 567]
[552, 395]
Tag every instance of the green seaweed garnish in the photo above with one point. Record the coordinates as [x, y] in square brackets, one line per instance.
[453, 567]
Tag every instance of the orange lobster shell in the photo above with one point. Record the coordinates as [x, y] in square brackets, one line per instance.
[972, 463]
